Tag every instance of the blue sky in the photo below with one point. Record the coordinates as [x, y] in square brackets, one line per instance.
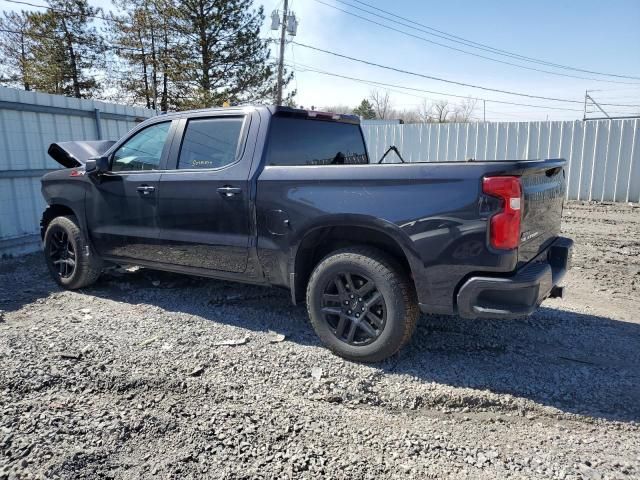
[594, 35]
[602, 36]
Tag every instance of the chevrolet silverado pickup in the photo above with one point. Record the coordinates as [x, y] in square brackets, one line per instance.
[289, 198]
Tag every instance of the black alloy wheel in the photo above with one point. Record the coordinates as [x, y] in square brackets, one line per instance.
[70, 260]
[61, 253]
[354, 308]
[362, 303]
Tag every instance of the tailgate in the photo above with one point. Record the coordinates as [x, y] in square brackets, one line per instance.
[543, 191]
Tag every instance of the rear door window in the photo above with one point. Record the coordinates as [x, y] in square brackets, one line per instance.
[210, 142]
[295, 141]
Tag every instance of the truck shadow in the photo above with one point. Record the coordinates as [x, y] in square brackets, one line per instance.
[575, 362]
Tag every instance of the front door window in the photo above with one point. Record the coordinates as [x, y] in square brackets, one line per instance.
[143, 151]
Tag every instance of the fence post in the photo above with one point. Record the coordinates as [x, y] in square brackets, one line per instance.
[98, 124]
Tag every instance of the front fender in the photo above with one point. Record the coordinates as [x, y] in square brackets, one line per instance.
[65, 193]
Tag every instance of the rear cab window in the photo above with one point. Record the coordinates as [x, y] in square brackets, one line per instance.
[298, 141]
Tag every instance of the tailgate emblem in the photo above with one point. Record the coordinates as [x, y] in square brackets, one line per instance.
[526, 236]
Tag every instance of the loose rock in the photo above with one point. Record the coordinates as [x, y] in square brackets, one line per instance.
[146, 383]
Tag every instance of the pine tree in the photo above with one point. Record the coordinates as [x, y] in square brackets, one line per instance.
[163, 54]
[130, 55]
[148, 53]
[228, 61]
[15, 50]
[68, 51]
[49, 65]
[365, 110]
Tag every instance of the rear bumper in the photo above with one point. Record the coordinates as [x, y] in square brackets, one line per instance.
[520, 294]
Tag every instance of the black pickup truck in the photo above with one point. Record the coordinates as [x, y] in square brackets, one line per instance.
[289, 198]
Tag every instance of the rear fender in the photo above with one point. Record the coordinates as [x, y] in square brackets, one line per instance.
[388, 229]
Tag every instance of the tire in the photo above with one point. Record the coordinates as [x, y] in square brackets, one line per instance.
[71, 261]
[385, 326]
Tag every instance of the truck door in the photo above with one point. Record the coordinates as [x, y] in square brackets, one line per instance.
[122, 204]
[204, 201]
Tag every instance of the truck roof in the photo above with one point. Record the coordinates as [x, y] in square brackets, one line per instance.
[275, 111]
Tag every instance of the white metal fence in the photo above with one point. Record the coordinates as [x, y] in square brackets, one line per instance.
[603, 156]
[29, 122]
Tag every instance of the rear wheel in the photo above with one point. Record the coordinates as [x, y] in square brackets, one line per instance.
[361, 304]
[70, 260]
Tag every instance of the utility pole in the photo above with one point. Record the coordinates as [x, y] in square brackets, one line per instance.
[283, 33]
[587, 96]
[484, 110]
[288, 24]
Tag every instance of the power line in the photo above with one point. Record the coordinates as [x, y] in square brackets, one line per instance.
[371, 83]
[99, 17]
[117, 20]
[106, 46]
[454, 82]
[485, 47]
[459, 49]
[377, 83]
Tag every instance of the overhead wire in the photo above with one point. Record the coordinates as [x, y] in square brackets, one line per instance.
[106, 46]
[48, 7]
[465, 51]
[439, 79]
[393, 85]
[116, 47]
[482, 46]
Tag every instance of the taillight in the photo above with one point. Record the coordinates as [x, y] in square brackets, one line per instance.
[504, 226]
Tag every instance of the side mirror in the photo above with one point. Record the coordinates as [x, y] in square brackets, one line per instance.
[97, 165]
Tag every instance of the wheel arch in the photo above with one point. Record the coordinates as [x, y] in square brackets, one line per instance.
[322, 239]
[60, 208]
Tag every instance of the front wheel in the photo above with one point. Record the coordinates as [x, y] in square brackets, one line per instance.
[70, 260]
[361, 304]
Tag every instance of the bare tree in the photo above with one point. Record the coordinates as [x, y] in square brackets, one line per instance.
[342, 109]
[464, 111]
[381, 102]
[441, 111]
[407, 116]
[424, 112]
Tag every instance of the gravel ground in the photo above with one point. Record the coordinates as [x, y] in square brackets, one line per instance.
[149, 374]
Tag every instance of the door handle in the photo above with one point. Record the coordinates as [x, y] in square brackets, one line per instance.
[228, 191]
[146, 189]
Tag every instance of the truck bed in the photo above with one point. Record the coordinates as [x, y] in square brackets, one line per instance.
[432, 208]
